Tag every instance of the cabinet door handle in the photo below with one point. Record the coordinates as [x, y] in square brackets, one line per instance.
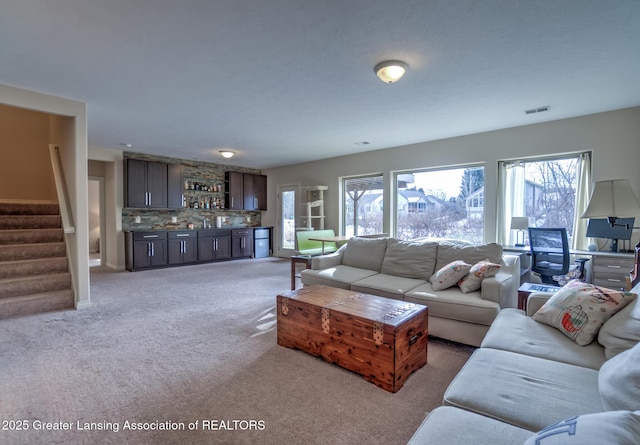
[148, 249]
[183, 234]
[150, 236]
[150, 198]
[232, 202]
[255, 203]
[215, 244]
[614, 267]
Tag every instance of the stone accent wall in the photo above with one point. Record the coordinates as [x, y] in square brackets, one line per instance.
[194, 171]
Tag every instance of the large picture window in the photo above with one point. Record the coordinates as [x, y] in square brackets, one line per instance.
[443, 203]
[546, 191]
[363, 205]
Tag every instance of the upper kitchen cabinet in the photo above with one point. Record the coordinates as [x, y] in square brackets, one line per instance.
[146, 184]
[245, 191]
[255, 192]
[175, 186]
[233, 190]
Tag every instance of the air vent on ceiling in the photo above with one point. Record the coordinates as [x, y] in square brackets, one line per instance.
[537, 110]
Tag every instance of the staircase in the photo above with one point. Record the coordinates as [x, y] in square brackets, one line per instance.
[34, 272]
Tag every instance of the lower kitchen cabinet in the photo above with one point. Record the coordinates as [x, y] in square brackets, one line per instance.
[214, 244]
[183, 247]
[241, 243]
[145, 250]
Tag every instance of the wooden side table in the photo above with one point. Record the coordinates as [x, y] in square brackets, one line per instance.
[304, 259]
[527, 288]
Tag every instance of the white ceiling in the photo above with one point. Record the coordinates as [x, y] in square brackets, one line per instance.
[288, 81]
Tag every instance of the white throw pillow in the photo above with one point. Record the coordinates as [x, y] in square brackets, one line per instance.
[619, 381]
[479, 271]
[579, 309]
[449, 275]
[621, 331]
[610, 428]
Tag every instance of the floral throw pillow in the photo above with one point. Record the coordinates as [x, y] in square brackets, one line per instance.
[449, 275]
[477, 273]
[579, 309]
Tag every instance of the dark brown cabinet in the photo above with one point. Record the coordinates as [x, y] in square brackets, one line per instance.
[254, 192]
[145, 250]
[233, 190]
[241, 243]
[146, 184]
[183, 247]
[214, 245]
[245, 191]
[175, 186]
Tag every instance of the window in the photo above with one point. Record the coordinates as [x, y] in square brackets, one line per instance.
[444, 203]
[544, 191]
[363, 205]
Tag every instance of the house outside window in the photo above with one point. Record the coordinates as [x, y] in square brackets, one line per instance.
[442, 203]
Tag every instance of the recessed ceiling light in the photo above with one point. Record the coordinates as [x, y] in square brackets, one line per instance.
[363, 143]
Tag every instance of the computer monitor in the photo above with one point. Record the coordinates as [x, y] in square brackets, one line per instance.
[600, 228]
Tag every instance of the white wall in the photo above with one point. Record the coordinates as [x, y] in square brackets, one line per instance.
[613, 137]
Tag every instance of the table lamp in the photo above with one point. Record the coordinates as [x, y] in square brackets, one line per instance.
[519, 223]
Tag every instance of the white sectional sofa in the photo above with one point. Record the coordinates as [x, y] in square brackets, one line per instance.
[530, 383]
[404, 270]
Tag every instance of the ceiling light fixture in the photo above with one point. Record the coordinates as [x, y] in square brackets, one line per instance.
[227, 153]
[390, 71]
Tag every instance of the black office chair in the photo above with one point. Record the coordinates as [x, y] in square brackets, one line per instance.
[550, 256]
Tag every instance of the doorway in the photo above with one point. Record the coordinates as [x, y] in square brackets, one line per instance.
[95, 190]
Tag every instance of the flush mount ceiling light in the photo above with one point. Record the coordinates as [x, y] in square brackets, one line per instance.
[390, 71]
[227, 153]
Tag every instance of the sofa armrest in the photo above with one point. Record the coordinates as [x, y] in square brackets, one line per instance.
[499, 289]
[330, 260]
[535, 301]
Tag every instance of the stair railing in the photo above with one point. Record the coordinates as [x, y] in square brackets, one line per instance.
[61, 189]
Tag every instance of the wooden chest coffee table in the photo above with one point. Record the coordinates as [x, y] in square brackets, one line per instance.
[382, 339]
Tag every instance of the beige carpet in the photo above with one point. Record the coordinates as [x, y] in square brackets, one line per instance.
[195, 344]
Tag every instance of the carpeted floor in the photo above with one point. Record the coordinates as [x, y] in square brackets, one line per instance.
[195, 347]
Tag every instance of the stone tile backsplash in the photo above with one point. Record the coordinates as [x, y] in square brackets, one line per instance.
[178, 219]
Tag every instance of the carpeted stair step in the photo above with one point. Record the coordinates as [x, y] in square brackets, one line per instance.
[28, 209]
[26, 268]
[30, 236]
[14, 222]
[14, 287]
[16, 252]
[36, 303]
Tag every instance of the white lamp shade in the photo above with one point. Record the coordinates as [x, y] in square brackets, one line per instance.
[612, 198]
[519, 223]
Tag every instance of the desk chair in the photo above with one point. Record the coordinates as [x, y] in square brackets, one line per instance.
[550, 257]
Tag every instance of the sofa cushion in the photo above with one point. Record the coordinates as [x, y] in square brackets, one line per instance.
[528, 392]
[621, 331]
[619, 381]
[453, 304]
[579, 309]
[338, 276]
[453, 426]
[365, 253]
[449, 275]
[514, 331]
[410, 259]
[613, 427]
[451, 250]
[386, 285]
[478, 272]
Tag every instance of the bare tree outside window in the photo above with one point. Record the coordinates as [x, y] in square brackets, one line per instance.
[363, 205]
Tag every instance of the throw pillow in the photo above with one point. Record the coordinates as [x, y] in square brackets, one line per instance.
[449, 275]
[612, 427]
[579, 309]
[621, 331]
[619, 381]
[479, 271]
